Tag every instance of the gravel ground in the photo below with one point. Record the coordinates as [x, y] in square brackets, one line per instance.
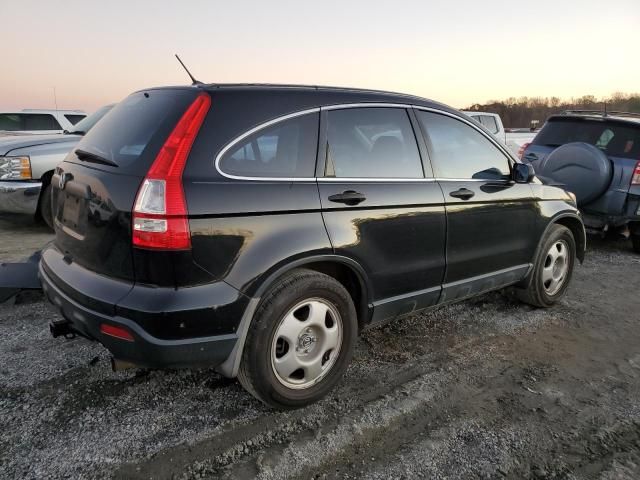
[489, 388]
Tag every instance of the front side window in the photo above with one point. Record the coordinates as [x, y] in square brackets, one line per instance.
[460, 151]
[371, 143]
[286, 149]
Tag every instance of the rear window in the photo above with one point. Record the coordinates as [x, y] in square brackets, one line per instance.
[132, 133]
[15, 122]
[615, 139]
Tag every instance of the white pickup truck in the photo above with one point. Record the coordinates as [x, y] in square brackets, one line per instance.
[492, 122]
[27, 163]
[31, 121]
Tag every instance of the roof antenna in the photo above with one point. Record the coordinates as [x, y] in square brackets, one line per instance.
[193, 80]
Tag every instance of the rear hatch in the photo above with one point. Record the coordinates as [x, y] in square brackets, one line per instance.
[619, 139]
[94, 189]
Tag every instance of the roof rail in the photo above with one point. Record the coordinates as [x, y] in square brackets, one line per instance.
[601, 112]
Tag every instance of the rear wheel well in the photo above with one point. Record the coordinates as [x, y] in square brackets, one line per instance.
[350, 280]
[577, 230]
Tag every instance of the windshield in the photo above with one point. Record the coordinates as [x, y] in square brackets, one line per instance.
[84, 125]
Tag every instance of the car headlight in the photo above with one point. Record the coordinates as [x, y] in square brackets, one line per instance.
[15, 168]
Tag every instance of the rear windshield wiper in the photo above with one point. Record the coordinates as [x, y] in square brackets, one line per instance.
[93, 157]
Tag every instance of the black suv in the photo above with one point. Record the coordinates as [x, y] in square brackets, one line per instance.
[595, 155]
[259, 228]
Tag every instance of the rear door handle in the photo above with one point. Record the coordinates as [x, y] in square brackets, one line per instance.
[349, 197]
[463, 193]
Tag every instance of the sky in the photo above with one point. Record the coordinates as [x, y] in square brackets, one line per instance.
[456, 52]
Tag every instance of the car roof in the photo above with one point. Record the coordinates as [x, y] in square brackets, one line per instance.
[322, 95]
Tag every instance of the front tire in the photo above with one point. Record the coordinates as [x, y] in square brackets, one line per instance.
[300, 342]
[45, 207]
[552, 268]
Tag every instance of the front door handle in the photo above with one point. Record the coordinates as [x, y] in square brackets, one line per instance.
[463, 193]
[531, 157]
[349, 197]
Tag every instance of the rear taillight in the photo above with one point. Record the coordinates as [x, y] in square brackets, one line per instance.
[635, 179]
[160, 212]
[521, 150]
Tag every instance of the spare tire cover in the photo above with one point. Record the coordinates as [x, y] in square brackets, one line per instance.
[584, 169]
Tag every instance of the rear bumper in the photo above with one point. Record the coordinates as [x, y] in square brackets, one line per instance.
[145, 349]
[19, 197]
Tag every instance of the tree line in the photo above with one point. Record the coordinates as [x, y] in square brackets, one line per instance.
[520, 112]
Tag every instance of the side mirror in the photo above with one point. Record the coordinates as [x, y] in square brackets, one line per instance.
[523, 173]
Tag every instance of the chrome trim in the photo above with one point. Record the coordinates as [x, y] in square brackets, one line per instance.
[251, 132]
[235, 141]
[365, 104]
[379, 180]
[19, 196]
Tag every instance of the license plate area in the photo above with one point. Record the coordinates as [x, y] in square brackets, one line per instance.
[71, 215]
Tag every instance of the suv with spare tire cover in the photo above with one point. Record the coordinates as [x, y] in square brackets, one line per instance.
[596, 156]
[259, 229]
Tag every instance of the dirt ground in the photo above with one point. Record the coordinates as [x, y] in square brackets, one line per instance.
[489, 388]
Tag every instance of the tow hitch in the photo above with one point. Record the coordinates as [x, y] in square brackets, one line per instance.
[15, 277]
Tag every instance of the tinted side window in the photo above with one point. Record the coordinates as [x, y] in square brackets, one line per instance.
[40, 121]
[372, 143]
[286, 149]
[460, 151]
[73, 119]
[10, 122]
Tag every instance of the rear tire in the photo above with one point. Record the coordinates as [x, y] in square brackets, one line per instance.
[300, 342]
[552, 268]
[44, 206]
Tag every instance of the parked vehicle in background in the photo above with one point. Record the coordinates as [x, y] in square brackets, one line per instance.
[596, 156]
[27, 163]
[512, 138]
[30, 121]
[259, 228]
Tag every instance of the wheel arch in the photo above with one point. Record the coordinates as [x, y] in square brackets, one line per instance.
[574, 223]
[346, 271]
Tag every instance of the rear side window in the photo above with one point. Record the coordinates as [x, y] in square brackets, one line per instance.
[286, 149]
[131, 134]
[614, 139]
[371, 143]
[11, 122]
[460, 151]
[38, 121]
[488, 122]
[73, 119]
[28, 121]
